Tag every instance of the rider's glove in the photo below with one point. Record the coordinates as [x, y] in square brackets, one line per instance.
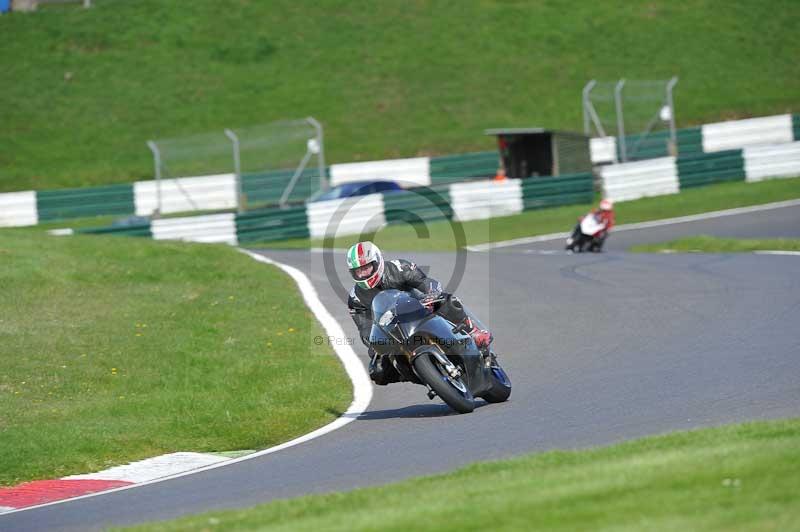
[429, 301]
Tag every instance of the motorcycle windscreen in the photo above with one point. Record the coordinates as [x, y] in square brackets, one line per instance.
[393, 307]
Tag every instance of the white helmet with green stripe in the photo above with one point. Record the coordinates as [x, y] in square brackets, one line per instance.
[365, 262]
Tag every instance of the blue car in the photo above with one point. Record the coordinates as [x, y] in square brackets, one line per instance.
[356, 188]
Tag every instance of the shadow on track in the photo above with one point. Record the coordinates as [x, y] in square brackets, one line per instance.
[414, 411]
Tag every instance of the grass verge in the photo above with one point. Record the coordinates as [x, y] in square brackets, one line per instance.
[710, 244]
[440, 235]
[113, 350]
[741, 477]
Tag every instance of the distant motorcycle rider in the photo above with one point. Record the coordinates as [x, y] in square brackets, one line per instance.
[372, 275]
[605, 216]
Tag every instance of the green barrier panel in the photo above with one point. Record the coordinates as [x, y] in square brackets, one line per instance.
[417, 203]
[710, 168]
[450, 168]
[796, 126]
[122, 230]
[541, 192]
[83, 202]
[266, 188]
[690, 141]
[272, 224]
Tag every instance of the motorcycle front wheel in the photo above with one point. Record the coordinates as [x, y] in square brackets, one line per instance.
[453, 391]
[501, 385]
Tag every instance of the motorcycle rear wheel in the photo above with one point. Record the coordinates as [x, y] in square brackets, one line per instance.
[430, 371]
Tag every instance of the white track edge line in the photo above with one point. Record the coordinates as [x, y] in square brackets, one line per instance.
[641, 225]
[777, 252]
[362, 387]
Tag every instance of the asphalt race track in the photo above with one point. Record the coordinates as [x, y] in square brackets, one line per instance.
[600, 348]
[782, 222]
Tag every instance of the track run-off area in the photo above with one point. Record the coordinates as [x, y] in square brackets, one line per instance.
[600, 348]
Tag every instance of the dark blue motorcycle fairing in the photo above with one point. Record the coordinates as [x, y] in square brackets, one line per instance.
[401, 321]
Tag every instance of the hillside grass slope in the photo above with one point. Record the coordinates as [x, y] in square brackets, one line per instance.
[83, 89]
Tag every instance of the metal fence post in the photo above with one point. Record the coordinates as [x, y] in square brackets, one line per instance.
[237, 168]
[323, 178]
[672, 137]
[586, 90]
[157, 162]
[620, 119]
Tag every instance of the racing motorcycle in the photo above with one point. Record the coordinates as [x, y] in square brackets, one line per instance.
[427, 349]
[584, 236]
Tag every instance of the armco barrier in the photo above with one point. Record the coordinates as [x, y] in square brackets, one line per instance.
[267, 188]
[763, 162]
[272, 224]
[796, 126]
[18, 209]
[219, 192]
[629, 181]
[423, 204]
[353, 216]
[142, 230]
[750, 132]
[689, 141]
[603, 150]
[657, 176]
[710, 168]
[560, 190]
[409, 172]
[220, 228]
[186, 194]
[479, 200]
[346, 216]
[83, 202]
[475, 200]
[449, 168]
[720, 136]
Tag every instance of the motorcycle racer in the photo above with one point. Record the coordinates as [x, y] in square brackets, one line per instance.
[373, 274]
[604, 215]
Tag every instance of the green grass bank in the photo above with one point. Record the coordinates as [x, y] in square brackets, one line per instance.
[87, 87]
[113, 350]
[741, 477]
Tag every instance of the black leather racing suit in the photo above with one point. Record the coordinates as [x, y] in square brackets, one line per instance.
[399, 275]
